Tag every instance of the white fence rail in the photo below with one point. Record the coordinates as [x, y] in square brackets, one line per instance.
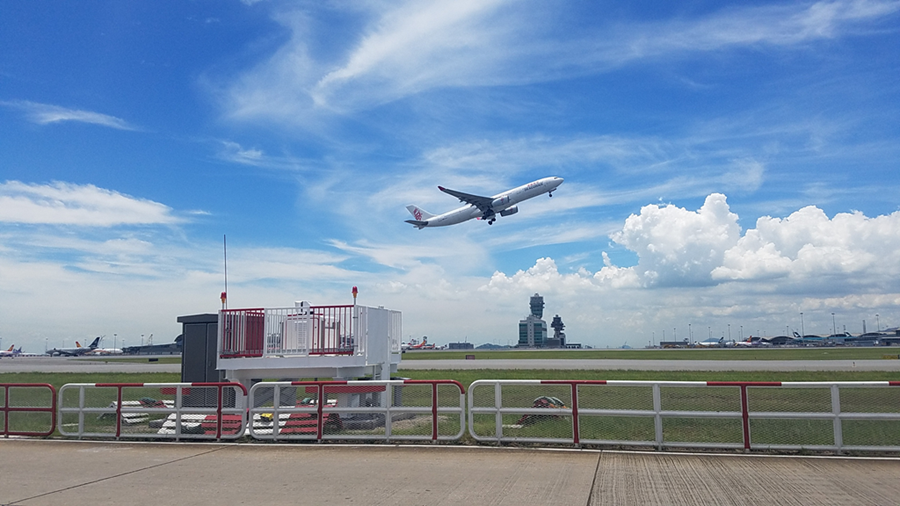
[814, 416]
[845, 416]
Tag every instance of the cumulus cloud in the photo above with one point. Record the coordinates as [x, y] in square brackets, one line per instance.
[62, 203]
[697, 267]
[44, 114]
[677, 246]
[806, 255]
[808, 244]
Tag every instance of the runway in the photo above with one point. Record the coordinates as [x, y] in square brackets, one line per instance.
[657, 365]
[62, 364]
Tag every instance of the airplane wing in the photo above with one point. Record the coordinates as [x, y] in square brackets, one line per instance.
[482, 203]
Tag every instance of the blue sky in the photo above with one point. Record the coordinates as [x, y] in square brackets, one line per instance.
[727, 165]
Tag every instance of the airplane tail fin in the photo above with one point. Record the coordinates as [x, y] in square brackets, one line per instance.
[419, 213]
[77, 344]
[94, 344]
[421, 216]
[11, 348]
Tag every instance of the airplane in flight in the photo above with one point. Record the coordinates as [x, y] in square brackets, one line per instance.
[483, 208]
[76, 351]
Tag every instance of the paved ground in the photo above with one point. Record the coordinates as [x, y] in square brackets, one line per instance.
[62, 364]
[659, 365]
[77, 473]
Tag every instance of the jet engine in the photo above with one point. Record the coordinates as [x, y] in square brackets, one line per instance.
[510, 211]
[500, 202]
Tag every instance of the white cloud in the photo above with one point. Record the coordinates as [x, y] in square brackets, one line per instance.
[677, 246]
[405, 49]
[44, 114]
[849, 249]
[62, 203]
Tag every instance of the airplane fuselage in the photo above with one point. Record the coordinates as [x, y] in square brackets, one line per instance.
[501, 204]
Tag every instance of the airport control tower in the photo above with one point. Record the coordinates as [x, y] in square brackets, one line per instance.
[533, 330]
[537, 306]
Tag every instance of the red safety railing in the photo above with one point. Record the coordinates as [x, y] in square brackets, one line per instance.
[183, 404]
[315, 330]
[830, 416]
[243, 332]
[287, 417]
[27, 404]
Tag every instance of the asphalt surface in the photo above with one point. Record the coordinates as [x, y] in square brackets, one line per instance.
[63, 364]
[77, 473]
[659, 365]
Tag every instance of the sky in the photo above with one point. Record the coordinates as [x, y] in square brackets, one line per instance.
[728, 166]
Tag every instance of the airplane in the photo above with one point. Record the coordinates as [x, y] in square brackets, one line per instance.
[483, 208]
[106, 351]
[11, 352]
[413, 344]
[76, 351]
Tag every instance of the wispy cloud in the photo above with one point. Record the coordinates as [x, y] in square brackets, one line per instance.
[62, 203]
[234, 152]
[408, 48]
[45, 114]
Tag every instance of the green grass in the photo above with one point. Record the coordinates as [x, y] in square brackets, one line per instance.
[812, 353]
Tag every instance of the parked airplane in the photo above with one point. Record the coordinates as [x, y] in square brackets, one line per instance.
[11, 352]
[106, 351]
[414, 344]
[76, 351]
[483, 208]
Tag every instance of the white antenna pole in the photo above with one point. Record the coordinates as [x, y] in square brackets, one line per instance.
[224, 296]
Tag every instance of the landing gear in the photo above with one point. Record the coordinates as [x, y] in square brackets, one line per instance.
[550, 193]
[491, 221]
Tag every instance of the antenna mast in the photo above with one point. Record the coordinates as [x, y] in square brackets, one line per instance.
[224, 296]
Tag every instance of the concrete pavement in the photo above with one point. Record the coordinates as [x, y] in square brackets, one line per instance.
[62, 364]
[77, 473]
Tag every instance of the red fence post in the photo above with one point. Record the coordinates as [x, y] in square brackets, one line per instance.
[7, 409]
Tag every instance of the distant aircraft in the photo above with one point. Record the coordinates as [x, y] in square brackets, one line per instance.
[483, 208]
[11, 352]
[748, 342]
[106, 351]
[76, 351]
[414, 344]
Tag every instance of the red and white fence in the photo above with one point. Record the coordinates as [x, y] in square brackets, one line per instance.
[840, 416]
[153, 410]
[29, 409]
[392, 410]
[815, 416]
[302, 330]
